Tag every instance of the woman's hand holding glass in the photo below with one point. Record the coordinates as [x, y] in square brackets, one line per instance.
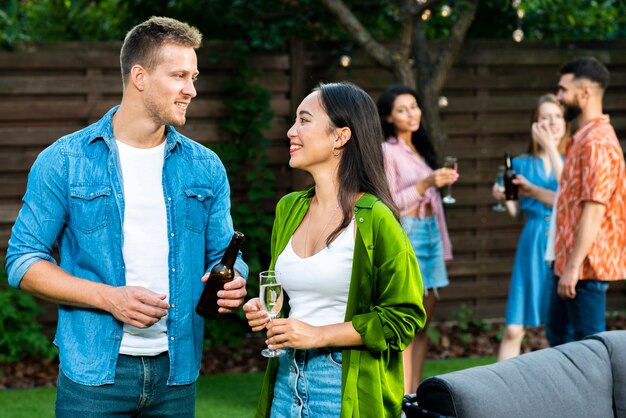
[260, 311]
[450, 163]
[498, 191]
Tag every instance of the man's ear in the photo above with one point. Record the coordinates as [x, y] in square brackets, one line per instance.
[137, 77]
[343, 136]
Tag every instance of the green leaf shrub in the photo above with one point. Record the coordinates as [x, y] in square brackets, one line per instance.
[21, 334]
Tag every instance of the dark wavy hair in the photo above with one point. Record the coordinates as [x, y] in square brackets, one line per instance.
[420, 138]
[589, 68]
[361, 168]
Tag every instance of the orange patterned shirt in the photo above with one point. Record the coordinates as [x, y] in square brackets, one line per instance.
[594, 170]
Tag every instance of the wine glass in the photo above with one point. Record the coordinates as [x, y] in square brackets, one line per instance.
[271, 296]
[449, 162]
[500, 184]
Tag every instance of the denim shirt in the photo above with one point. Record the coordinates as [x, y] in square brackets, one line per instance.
[75, 199]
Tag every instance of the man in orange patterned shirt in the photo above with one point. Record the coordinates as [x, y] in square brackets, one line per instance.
[590, 241]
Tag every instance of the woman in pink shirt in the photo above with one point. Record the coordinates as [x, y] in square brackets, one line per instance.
[414, 176]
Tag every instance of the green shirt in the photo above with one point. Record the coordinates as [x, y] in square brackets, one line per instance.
[384, 305]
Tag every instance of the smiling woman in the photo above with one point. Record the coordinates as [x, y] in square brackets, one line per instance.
[347, 266]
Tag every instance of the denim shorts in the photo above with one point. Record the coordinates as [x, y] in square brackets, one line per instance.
[140, 390]
[425, 238]
[308, 384]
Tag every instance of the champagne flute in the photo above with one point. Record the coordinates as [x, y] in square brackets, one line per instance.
[449, 162]
[500, 185]
[271, 296]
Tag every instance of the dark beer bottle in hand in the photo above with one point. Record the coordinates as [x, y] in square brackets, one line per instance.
[221, 273]
[510, 189]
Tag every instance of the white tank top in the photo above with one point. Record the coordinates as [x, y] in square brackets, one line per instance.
[145, 247]
[318, 286]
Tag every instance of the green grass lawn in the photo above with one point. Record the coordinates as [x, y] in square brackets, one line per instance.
[219, 396]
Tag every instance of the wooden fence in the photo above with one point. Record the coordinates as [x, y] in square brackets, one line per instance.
[47, 91]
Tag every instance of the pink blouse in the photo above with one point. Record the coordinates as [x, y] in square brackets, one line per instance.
[404, 168]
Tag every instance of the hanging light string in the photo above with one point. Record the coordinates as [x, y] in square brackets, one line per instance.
[518, 34]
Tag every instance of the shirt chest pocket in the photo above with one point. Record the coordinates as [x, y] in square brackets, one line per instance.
[198, 207]
[90, 207]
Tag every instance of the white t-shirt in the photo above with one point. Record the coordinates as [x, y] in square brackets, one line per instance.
[549, 256]
[318, 285]
[145, 247]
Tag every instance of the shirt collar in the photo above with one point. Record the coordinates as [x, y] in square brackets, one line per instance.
[592, 124]
[103, 129]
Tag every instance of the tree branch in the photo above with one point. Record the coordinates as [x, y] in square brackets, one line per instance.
[449, 49]
[407, 26]
[421, 55]
[356, 30]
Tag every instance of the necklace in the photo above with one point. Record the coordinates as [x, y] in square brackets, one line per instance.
[308, 225]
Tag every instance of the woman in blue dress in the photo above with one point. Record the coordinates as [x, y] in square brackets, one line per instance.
[538, 171]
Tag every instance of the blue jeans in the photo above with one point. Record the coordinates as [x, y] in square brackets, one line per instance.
[139, 390]
[425, 238]
[574, 319]
[308, 384]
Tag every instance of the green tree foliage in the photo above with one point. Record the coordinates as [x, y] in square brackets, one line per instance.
[268, 25]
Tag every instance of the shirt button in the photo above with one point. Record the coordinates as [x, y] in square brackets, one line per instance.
[172, 234]
[199, 196]
[117, 337]
[172, 306]
[90, 194]
[172, 338]
[173, 270]
[169, 198]
[119, 195]
[361, 220]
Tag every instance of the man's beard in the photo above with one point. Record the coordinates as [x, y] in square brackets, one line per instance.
[572, 111]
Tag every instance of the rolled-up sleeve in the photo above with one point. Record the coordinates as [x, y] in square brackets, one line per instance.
[397, 312]
[42, 217]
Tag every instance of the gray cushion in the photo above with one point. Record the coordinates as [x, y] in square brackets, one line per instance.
[615, 342]
[571, 380]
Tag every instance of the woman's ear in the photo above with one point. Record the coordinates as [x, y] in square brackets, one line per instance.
[343, 136]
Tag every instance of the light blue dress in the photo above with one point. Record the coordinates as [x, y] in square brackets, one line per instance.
[529, 291]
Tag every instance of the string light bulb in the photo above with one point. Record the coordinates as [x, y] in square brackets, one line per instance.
[426, 15]
[515, 3]
[442, 102]
[446, 10]
[420, 1]
[518, 35]
[344, 60]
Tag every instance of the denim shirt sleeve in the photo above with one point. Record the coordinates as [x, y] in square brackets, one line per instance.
[43, 215]
[220, 225]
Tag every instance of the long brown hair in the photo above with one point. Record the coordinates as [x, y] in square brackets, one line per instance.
[361, 168]
[533, 147]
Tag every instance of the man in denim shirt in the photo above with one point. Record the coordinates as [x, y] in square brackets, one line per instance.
[139, 213]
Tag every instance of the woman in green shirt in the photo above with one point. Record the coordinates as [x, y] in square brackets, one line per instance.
[348, 270]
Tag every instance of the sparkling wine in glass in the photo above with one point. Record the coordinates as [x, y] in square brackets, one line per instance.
[500, 185]
[449, 162]
[271, 296]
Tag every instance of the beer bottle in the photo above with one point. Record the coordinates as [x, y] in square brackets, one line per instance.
[510, 189]
[220, 274]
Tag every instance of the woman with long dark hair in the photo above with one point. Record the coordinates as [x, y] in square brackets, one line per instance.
[347, 267]
[414, 176]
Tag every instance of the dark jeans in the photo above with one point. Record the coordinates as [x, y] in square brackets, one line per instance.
[574, 319]
[139, 390]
